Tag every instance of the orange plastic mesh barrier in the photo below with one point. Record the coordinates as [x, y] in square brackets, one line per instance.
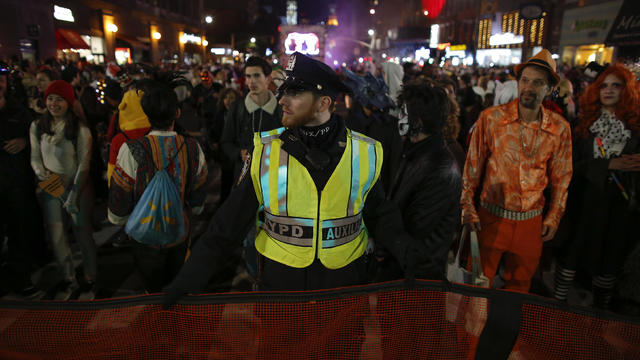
[381, 321]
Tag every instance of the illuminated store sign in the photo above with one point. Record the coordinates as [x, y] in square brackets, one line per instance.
[305, 43]
[191, 38]
[505, 39]
[433, 41]
[62, 13]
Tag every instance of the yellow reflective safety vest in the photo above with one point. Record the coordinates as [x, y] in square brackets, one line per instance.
[300, 223]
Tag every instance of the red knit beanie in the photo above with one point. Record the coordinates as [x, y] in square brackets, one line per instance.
[61, 88]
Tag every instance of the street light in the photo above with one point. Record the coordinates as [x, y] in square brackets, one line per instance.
[112, 27]
[371, 32]
[253, 40]
[156, 35]
[208, 19]
[372, 11]
[426, 12]
[205, 42]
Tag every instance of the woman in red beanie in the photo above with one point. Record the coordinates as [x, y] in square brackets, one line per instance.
[61, 147]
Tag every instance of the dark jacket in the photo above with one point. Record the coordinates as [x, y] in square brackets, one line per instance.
[427, 188]
[16, 168]
[384, 128]
[601, 222]
[240, 125]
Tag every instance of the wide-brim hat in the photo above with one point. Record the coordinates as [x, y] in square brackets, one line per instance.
[542, 59]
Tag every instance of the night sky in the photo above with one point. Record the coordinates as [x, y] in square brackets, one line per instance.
[313, 10]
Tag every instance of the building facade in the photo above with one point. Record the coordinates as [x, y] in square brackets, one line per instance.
[151, 31]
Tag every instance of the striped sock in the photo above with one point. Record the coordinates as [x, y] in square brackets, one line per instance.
[603, 290]
[563, 279]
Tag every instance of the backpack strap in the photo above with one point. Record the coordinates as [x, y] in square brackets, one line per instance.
[172, 158]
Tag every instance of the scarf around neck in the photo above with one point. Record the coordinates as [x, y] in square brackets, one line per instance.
[612, 133]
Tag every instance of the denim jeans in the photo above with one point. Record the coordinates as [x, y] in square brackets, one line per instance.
[55, 216]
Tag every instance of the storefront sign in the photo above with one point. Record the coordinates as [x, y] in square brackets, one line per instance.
[190, 38]
[433, 40]
[26, 45]
[305, 43]
[62, 13]
[443, 46]
[626, 28]
[588, 24]
[505, 39]
[461, 47]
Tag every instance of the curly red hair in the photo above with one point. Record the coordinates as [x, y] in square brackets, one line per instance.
[627, 109]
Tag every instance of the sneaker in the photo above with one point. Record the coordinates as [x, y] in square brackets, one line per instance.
[67, 290]
[31, 293]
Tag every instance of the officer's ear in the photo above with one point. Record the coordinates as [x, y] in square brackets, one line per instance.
[324, 103]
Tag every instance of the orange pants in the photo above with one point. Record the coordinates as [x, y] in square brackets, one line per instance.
[519, 241]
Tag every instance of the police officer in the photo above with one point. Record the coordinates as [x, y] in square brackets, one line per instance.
[315, 185]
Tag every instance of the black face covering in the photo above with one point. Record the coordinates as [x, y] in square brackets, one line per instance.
[316, 140]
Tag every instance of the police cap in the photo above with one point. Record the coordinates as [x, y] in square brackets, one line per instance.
[307, 74]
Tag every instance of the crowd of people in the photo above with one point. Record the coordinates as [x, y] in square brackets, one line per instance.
[541, 162]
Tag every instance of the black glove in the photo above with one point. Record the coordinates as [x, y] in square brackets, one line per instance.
[192, 277]
[171, 296]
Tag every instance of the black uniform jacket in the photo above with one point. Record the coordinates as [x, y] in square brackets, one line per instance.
[228, 226]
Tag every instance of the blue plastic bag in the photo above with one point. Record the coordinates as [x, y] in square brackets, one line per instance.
[158, 218]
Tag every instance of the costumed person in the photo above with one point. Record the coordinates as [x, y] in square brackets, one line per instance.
[516, 151]
[604, 191]
[369, 114]
[393, 74]
[426, 185]
[61, 157]
[138, 162]
[129, 123]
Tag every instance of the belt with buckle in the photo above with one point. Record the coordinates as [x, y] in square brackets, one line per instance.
[511, 215]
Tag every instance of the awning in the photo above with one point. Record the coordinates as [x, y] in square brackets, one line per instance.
[626, 27]
[70, 39]
[135, 43]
